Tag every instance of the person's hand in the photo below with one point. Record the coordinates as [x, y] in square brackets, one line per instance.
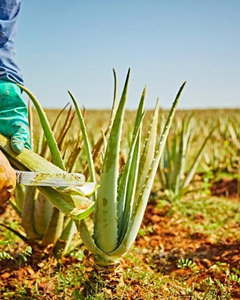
[14, 116]
[7, 179]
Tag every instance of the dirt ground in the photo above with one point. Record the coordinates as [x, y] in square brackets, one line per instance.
[161, 249]
[168, 244]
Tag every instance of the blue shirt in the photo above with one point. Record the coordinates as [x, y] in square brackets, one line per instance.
[9, 10]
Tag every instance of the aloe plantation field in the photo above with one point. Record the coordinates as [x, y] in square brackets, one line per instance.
[158, 216]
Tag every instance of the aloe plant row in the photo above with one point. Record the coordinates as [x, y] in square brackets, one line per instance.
[178, 165]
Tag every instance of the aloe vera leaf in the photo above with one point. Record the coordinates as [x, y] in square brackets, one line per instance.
[17, 210]
[99, 149]
[131, 189]
[34, 162]
[28, 159]
[43, 146]
[19, 195]
[100, 257]
[162, 168]
[182, 158]
[148, 151]
[177, 160]
[101, 143]
[188, 136]
[140, 114]
[115, 100]
[137, 215]
[63, 243]
[173, 150]
[13, 162]
[161, 175]
[85, 140]
[64, 203]
[30, 121]
[57, 217]
[123, 186]
[127, 182]
[56, 156]
[42, 214]
[105, 219]
[87, 239]
[17, 233]
[40, 143]
[82, 207]
[233, 133]
[166, 163]
[104, 144]
[173, 155]
[192, 170]
[87, 189]
[97, 152]
[54, 229]
[27, 215]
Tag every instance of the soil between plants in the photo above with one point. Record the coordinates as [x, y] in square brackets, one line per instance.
[158, 249]
[226, 187]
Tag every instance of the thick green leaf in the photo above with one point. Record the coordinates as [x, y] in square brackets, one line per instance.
[27, 215]
[62, 245]
[192, 170]
[42, 213]
[87, 145]
[106, 224]
[138, 212]
[56, 155]
[128, 180]
[55, 228]
[148, 151]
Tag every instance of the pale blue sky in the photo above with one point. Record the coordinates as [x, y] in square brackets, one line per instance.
[74, 45]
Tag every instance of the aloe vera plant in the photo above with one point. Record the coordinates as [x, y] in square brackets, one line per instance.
[224, 152]
[174, 173]
[45, 212]
[230, 138]
[121, 199]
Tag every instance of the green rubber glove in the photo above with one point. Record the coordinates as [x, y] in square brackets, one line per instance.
[14, 116]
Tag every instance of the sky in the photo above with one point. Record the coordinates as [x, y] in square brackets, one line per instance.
[75, 44]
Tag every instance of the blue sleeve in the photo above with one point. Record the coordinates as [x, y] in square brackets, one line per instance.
[9, 10]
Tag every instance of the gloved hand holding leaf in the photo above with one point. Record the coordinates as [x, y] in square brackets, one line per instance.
[14, 116]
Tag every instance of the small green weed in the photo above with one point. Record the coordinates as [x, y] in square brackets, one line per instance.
[219, 217]
[187, 263]
[5, 255]
[207, 182]
[145, 230]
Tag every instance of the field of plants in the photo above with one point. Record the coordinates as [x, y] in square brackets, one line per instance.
[161, 222]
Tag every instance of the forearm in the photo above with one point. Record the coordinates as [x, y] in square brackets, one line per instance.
[9, 10]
